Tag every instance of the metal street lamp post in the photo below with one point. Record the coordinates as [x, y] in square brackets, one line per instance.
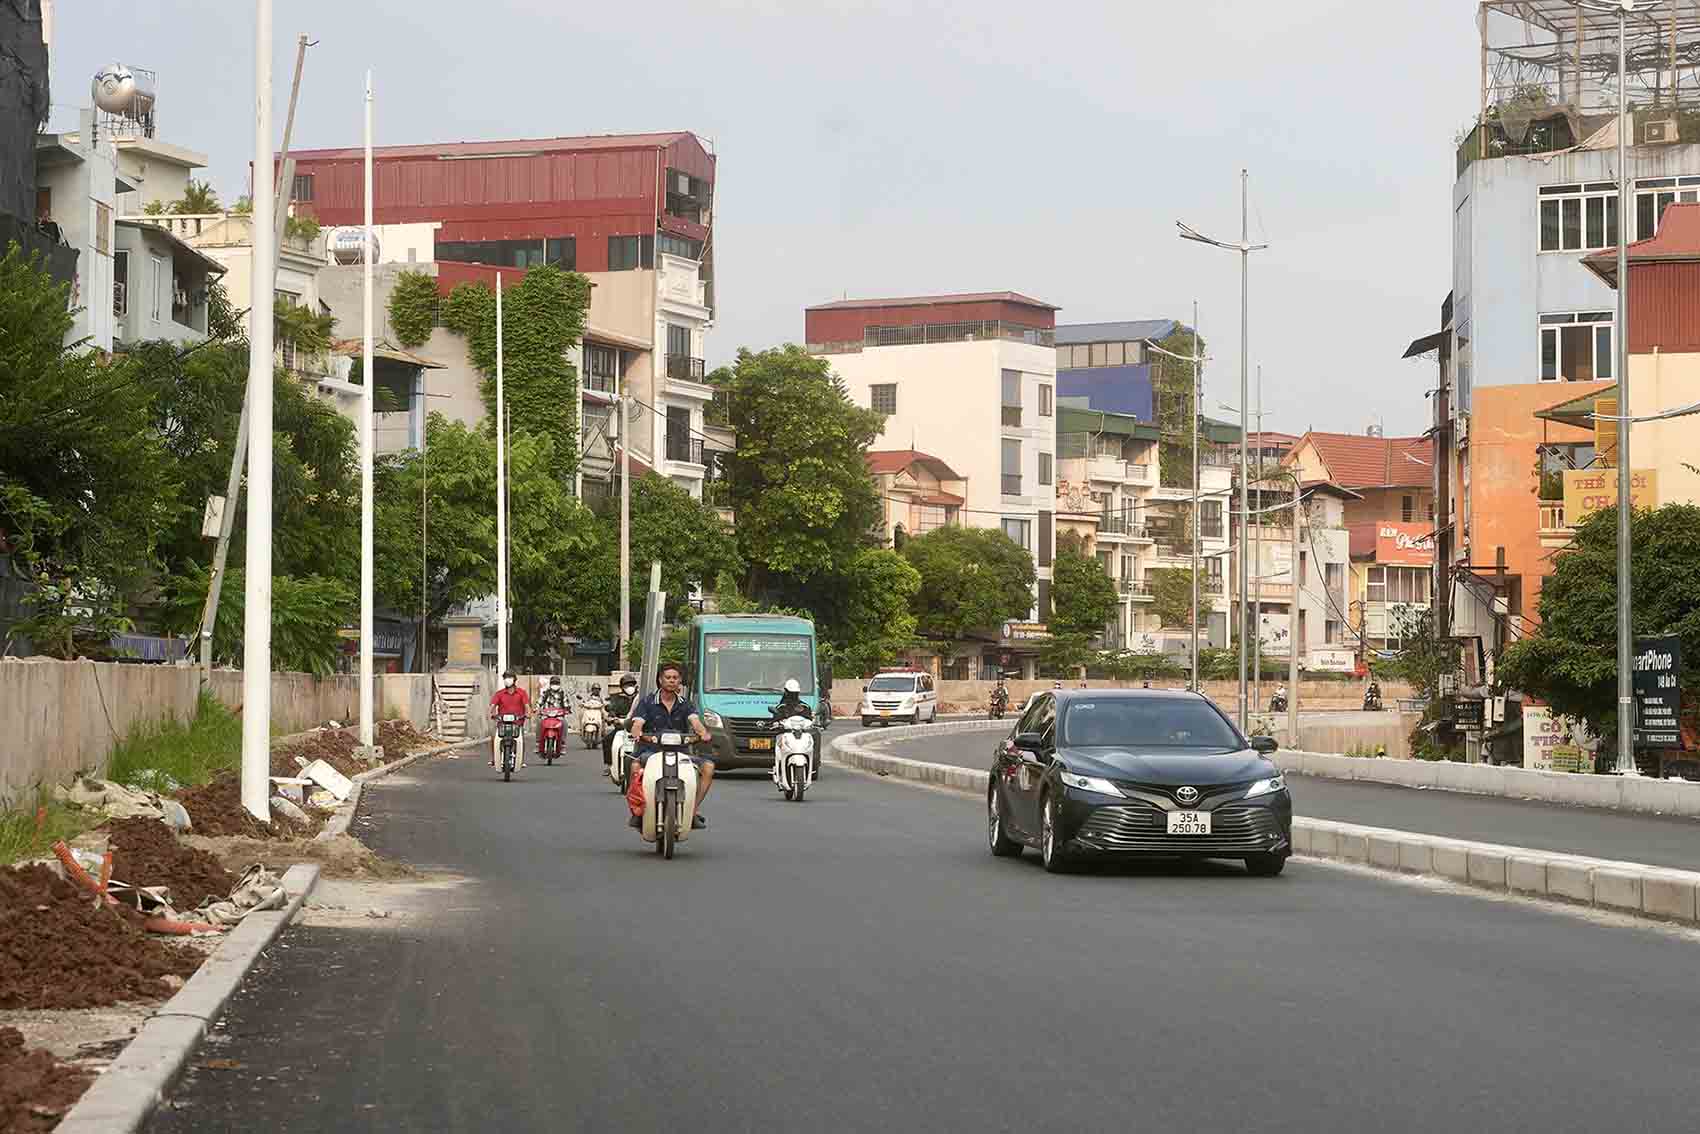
[1245, 248]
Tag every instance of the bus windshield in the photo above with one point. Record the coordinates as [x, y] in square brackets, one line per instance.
[756, 663]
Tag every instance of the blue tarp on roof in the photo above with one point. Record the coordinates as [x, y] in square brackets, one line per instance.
[1113, 389]
[1127, 331]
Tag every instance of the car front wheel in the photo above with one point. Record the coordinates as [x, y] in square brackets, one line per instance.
[1050, 841]
[1002, 845]
[1265, 865]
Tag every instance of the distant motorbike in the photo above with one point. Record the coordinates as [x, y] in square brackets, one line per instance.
[669, 794]
[794, 756]
[1372, 699]
[552, 726]
[508, 731]
[999, 705]
[590, 722]
[1278, 703]
[620, 758]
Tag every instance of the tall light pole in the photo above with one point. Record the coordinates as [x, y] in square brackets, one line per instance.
[1197, 360]
[501, 499]
[368, 379]
[1245, 248]
[257, 579]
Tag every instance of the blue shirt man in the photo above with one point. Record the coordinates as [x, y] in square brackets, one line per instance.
[669, 710]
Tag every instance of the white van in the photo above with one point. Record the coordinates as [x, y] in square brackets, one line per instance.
[903, 695]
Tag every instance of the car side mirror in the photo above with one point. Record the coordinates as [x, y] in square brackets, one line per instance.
[1264, 744]
[1031, 744]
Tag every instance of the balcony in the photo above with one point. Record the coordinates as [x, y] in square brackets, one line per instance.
[1012, 484]
[718, 412]
[1140, 590]
[1555, 532]
[683, 368]
[1121, 526]
[1213, 585]
[684, 448]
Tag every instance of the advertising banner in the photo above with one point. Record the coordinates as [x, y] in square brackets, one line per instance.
[1657, 683]
[1586, 491]
[1331, 661]
[1404, 545]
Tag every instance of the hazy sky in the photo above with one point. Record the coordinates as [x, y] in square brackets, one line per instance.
[891, 148]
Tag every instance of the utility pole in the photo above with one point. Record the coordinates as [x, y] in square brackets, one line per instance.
[1245, 248]
[257, 581]
[1197, 404]
[368, 378]
[501, 498]
[622, 402]
[1257, 551]
[239, 452]
[1292, 629]
[1625, 476]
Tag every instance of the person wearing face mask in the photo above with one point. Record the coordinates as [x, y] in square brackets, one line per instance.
[617, 709]
[510, 698]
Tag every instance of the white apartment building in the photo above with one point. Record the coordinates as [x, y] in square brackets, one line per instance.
[970, 379]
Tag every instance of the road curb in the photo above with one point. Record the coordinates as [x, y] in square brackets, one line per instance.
[129, 1090]
[1617, 793]
[1653, 892]
[344, 815]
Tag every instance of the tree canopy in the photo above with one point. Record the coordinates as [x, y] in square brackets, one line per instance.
[1083, 599]
[1570, 662]
[971, 579]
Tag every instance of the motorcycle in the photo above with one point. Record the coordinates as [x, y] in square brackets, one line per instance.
[590, 721]
[508, 732]
[1278, 703]
[669, 794]
[552, 725]
[794, 756]
[999, 705]
[1372, 700]
[620, 758]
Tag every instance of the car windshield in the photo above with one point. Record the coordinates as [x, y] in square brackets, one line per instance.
[756, 663]
[892, 685]
[1147, 722]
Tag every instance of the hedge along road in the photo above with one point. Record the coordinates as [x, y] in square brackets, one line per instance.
[859, 962]
[1655, 840]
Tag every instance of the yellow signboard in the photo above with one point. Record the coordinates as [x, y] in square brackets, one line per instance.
[1586, 491]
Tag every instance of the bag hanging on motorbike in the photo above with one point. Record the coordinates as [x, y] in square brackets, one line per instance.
[634, 792]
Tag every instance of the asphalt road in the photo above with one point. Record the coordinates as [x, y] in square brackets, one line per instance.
[1601, 833]
[858, 962]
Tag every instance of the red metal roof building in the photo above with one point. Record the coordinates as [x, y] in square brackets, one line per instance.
[848, 324]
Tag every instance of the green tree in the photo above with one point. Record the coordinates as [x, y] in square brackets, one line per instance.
[971, 579]
[199, 197]
[1171, 592]
[307, 613]
[876, 622]
[543, 318]
[798, 481]
[1571, 661]
[1171, 392]
[1083, 599]
[86, 487]
[413, 308]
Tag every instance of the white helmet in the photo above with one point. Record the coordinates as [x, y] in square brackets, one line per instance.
[792, 685]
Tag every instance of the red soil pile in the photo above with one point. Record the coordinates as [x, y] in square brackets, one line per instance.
[35, 1089]
[145, 852]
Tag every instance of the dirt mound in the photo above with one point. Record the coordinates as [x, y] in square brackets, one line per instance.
[58, 949]
[341, 857]
[400, 738]
[215, 808]
[145, 852]
[35, 1089]
[336, 747]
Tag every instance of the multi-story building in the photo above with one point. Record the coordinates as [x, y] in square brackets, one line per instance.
[1389, 520]
[634, 212]
[1321, 630]
[919, 493]
[1110, 364]
[970, 379]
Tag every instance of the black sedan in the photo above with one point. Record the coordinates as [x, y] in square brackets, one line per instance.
[1140, 772]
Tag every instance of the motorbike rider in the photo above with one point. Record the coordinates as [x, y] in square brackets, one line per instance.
[510, 698]
[1000, 695]
[615, 711]
[791, 704]
[1280, 696]
[669, 710]
[552, 697]
[1372, 693]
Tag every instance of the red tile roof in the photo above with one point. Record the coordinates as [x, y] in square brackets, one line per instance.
[1678, 239]
[1355, 460]
[926, 300]
[890, 461]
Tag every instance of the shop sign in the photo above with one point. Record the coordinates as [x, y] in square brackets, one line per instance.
[1025, 631]
[1657, 684]
[1404, 545]
[1586, 491]
[1331, 661]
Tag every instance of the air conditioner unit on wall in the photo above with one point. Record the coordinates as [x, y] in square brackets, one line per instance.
[1660, 131]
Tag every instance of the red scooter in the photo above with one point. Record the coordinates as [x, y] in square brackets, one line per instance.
[551, 727]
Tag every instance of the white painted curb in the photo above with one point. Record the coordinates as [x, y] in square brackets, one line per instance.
[129, 1090]
[1621, 793]
[1622, 887]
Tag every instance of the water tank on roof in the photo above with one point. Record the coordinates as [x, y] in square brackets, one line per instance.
[119, 90]
[344, 244]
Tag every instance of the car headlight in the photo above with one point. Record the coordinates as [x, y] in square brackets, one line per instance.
[1265, 787]
[1091, 783]
[712, 719]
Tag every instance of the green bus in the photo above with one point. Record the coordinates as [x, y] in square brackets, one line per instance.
[736, 666]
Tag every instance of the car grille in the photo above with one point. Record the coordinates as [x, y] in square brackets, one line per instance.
[882, 703]
[746, 727]
[1141, 827]
[1167, 791]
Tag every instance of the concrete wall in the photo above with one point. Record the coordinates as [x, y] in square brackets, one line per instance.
[847, 692]
[59, 717]
[1661, 382]
[63, 717]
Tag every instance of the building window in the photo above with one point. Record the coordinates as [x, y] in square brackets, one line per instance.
[1210, 519]
[1655, 194]
[120, 283]
[1330, 632]
[679, 246]
[1576, 347]
[883, 398]
[602, 368]
[1577, 218]
[1011, 467]
[1021, 531]
[1044, 468]
[1047, 404]
[931, 516]
[560, 251]
[628, 253]
[1407, 509]
[301, 189]
[158, 287]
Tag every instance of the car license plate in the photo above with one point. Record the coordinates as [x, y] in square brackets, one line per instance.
[1189, 822]
[885, 712]
[761, 743]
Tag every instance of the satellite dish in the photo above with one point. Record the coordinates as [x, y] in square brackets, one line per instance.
[114, 88]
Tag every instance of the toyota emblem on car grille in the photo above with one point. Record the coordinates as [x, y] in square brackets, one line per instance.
[1187, 794]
